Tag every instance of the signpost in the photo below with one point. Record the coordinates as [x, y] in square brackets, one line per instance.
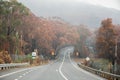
[52, 53]
[87, 61]
[34, 54]
[77, 54]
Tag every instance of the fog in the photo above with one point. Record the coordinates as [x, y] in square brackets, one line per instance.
[76, 12]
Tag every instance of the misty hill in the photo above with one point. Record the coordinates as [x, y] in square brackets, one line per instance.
[76, 13]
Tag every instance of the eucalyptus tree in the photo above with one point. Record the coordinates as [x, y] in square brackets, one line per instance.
[11, 14]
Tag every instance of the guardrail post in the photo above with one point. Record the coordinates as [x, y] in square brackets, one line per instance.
[13, 65]
[103, 74]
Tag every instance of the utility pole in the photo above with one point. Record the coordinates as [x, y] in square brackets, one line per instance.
[115, 61]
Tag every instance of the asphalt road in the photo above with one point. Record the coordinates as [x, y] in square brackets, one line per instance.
[61, 69]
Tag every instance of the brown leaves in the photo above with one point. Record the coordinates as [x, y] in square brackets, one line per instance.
[48, 33]
[81, 47]
[105, 39]
[4, 57]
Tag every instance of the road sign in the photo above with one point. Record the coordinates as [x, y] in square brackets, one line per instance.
[52, 53]
[87, 58]
[34, 54]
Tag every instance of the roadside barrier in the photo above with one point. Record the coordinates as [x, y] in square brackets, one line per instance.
[13, 65]
[103, 74]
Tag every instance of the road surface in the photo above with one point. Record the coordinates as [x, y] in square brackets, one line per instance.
[61, 69]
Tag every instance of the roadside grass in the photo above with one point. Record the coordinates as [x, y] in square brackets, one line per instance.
[99, 64]
[96, 63]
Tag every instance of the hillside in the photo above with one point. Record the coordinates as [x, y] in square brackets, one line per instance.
[76, 13]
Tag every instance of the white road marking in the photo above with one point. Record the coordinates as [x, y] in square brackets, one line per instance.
[5, 75]
[30, 69]
[24, 74]
[83, 70]
[13, 73]
[61, 68]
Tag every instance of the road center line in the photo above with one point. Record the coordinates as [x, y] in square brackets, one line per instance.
[60, 71]
[8, 74]
[13, 73]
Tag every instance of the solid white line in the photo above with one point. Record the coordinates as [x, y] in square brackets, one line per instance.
[13, 73]
[61, 68]
[8, 74]
[84, 71]
[72, 63]
[5, 75]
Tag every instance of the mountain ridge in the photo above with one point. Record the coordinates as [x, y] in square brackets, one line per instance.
[76, 13]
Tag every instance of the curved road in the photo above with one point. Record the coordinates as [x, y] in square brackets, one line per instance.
[61, 69]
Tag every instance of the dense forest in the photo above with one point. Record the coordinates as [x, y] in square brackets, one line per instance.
[22, 32]
[107, 41]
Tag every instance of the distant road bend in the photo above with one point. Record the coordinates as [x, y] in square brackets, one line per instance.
[61, 69]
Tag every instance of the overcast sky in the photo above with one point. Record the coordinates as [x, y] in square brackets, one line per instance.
[106, 3]
[76, 11]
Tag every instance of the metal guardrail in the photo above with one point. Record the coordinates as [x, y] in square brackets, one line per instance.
[13, 65]
[103, 74]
